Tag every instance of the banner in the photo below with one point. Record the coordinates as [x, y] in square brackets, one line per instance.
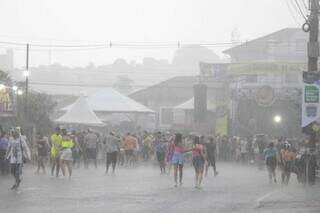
[7, 103]
[310, 103]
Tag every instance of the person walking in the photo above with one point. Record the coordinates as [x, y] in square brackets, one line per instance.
[42, 152]
[270, 154]
[146, 146]
[130, 144]
[4, 164]
[18, 152]
[160, 149]
[112, 151]
[55, 142]
[211, 156]
[198, 160]
[287, 158]
[170, 152]
[91, 148]
[178, 159]
[66, 158]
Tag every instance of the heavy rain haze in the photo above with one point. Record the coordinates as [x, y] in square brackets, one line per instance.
[159, 106]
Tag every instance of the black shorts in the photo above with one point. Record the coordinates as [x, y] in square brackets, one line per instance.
[129, 152]
[211, 160]
[112, 157]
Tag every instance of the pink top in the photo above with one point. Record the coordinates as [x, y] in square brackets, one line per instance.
[197, 150]
[178, 149]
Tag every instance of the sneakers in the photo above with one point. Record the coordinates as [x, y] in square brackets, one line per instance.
[216, 173]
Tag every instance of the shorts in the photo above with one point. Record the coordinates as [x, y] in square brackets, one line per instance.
[91, 153]
[178, 158]
[66, 154]
[112, 157]
[211, 160]
[129, 152]
[198, 163]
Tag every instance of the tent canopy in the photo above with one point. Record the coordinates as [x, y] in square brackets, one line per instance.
[80, 113]
[189, 105]
[110, 100]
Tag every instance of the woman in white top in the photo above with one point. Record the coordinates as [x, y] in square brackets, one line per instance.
[18, 151]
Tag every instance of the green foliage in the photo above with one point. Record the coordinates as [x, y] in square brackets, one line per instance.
[35, 112]
[31, 112]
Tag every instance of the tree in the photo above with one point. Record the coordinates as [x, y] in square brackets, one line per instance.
[39, 108]
[35, 113]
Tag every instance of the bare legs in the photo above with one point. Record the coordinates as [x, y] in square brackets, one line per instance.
[64, 164]
[176, 168]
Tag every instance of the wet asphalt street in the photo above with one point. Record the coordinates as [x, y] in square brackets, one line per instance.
[236, 189]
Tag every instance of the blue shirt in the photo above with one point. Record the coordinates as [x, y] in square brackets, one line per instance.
[4, 143]
[270, 153]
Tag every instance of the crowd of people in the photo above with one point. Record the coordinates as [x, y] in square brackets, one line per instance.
[66, 149]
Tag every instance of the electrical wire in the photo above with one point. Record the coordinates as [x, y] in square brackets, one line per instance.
[132, 45]
[300, 10]
[292, 12]
[304, 5]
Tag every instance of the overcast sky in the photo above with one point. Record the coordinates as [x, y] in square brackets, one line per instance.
[89, 21]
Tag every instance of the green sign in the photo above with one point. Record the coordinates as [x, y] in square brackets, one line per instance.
[311, 94]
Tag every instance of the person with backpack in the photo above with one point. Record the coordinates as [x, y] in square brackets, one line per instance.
[270, 154]
[18, 153]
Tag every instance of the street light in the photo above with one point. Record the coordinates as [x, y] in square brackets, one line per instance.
[277, 118]
[26, 73]
[2, 87]
[19, 92]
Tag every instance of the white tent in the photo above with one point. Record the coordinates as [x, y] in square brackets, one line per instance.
[80, 113]
[111, 101]
[189, 105]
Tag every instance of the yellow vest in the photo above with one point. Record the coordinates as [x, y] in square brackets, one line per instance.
[56, 141]
[67, 143]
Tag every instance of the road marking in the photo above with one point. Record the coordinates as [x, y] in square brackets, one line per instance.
[259, 200]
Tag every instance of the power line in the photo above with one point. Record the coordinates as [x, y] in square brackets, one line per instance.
[292, 12]
[128, 45]
[304, 5]
[300, 10]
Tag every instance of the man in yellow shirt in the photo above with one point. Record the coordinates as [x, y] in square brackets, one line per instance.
[56, 145]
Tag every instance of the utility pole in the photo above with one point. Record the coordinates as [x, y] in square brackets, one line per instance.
[26, 74]
[312, 25]
[313, 46]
